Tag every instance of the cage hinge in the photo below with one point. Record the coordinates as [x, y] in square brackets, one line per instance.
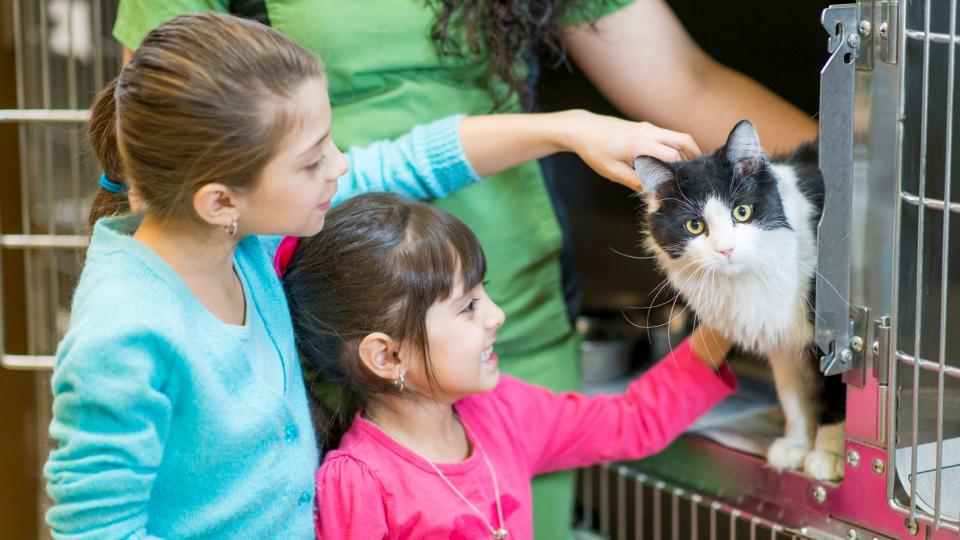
[888, 31]
[881, 349]
[876, 34]
[857, 349]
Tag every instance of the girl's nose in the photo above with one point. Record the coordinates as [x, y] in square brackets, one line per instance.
[496, 317]
[342, 166]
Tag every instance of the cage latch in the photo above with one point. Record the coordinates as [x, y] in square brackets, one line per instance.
[834, 330]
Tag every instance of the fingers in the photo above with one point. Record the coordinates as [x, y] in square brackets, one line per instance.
[682, 142]
[662, 152]
[624, 174]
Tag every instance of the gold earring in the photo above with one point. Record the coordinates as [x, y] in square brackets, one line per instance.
[232, 228]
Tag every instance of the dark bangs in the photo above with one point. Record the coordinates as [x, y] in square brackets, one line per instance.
[378, 265]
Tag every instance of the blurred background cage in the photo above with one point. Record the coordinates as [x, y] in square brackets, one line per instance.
[62, 53]
[890, 249]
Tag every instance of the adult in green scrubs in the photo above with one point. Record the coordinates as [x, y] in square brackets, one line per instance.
[386, 76]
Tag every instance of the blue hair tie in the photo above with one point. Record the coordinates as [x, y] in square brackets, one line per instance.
[111, 186]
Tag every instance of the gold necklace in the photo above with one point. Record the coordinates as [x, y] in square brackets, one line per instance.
[498, 534]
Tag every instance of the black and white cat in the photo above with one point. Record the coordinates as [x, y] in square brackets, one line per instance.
[736, 234]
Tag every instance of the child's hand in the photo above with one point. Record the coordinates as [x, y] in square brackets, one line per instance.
[609, 145]
[710, 346]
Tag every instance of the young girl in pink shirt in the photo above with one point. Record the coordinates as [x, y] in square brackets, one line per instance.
[425, 437]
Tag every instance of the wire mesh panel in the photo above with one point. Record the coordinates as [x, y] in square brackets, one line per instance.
[64, 55]
[925, 414]
[623, 504]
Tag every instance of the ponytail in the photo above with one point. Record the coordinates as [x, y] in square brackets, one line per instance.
[333, 406]
[102, 136]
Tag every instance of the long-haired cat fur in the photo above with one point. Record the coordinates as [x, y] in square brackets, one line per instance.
[735, 233]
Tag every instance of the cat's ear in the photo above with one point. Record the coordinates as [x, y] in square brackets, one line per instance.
[743, 149]
[652, 172]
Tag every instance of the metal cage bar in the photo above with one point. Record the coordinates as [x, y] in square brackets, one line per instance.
[662, 511]
[57, 74]
[927, 206]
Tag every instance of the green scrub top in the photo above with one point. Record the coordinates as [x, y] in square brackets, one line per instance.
[385, 77]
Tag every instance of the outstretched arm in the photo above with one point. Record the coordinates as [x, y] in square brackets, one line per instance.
[642, 60]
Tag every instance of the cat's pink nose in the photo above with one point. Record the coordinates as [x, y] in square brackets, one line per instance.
[726, 252]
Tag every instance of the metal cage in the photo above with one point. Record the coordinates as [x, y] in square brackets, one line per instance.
[888, 310]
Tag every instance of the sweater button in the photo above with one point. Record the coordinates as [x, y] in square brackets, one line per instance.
[290, 433]
[304, 498]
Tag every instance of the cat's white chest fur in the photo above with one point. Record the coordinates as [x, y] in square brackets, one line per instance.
[764, 307]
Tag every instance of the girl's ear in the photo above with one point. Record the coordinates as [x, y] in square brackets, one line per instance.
[215, 204]
[378, 352]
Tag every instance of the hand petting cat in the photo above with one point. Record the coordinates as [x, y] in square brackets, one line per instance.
[609, 145]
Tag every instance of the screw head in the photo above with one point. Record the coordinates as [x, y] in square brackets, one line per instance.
[853, 534]
[856, 344]
[865, 28]
[845, 356]
[878, 465]
[853, 458]
[819, 494]
[912, 526]
[876, 348]
[883, 30]
[853, 40]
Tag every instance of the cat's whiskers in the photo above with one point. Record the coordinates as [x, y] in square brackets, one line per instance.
[635, 257]
[697, 272]
[672, 300]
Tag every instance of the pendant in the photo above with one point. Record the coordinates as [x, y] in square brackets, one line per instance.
[500, 533]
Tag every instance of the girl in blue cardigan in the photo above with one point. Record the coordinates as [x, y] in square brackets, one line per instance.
[179, 407]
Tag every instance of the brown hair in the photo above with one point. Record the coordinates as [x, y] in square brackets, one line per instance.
[202, 100]
[378, 265]
[505, 33]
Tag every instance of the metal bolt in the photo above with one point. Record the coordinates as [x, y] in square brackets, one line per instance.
[853, 40]
[856, 344]
[819, 494]
[865, 28]
[912, 526]
[853, 458]
[876, 349]
[845, 356]
[883, 30]
[878, 465]
[853, 534]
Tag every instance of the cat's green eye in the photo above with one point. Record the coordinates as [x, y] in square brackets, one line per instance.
[742, 213]
[694, 226]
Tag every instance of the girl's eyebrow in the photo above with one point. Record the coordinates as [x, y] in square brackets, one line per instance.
[315, 145]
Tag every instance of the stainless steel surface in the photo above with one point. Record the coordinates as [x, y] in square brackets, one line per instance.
[836, 162]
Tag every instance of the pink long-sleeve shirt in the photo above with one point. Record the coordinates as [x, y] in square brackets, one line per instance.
[374, 487]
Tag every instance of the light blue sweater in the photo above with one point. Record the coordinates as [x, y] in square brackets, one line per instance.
[163, 429]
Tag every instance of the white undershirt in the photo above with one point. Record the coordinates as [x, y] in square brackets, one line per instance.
[264, 357]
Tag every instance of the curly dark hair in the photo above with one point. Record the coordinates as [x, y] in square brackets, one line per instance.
[502, 31]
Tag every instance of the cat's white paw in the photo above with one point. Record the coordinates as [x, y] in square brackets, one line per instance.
[787, 453]
[823, 465]
[826, 460]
